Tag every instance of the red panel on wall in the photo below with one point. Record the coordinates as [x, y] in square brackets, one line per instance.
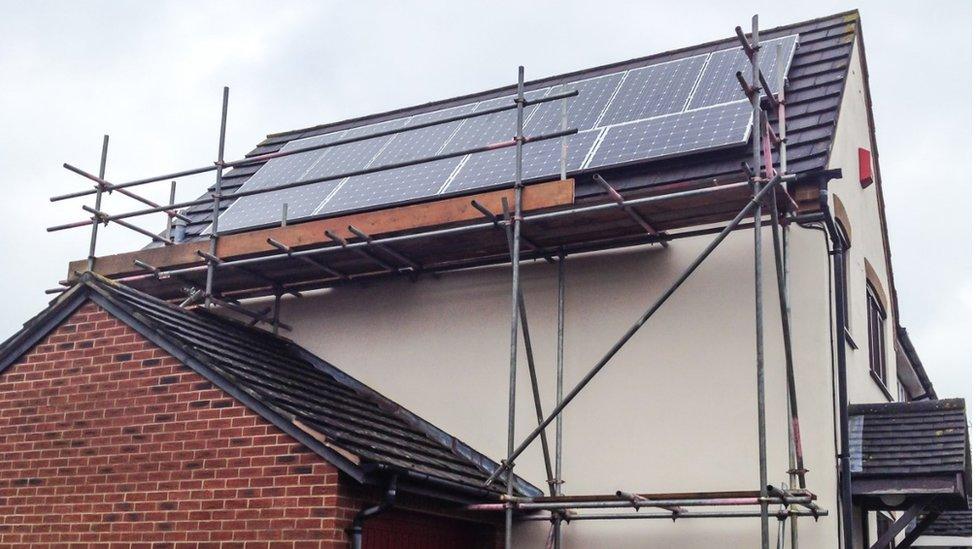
[406, 530]
[865, 167]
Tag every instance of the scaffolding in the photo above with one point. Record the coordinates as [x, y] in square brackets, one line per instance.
[763, 191]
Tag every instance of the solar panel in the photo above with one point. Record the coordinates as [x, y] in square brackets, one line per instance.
[718, 84]
[407, 183]
[583, 111]
[265, 208]
[655, 90]
[666, 109]
[671, 135]
[539, 159]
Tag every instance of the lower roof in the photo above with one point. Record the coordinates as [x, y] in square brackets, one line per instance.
[911, 448]
[363, 433]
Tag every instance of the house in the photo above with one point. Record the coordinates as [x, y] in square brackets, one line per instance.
[406, 281]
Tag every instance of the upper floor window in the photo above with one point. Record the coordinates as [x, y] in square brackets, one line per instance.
[845, 242]
[876, 335]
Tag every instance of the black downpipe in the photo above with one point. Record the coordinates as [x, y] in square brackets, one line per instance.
[357, 523]
[837, 256]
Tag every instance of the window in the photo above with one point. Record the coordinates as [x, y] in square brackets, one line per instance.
[885, 522]
[845, 242]
[876, 336]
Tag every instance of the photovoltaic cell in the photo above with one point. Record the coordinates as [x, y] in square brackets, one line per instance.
[681, 133]
[718, 83]
[582, 111]
[402, 184]
[671, 108]
[393, 187]
[266, 208]
[539, 159]
[654, 91]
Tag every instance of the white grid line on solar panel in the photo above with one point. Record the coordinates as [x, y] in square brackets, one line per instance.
[596, 145]
[701, 72]
[540, 159]
[401, 184]
[594, 94]
[721, 85]
[670, 135]
[603, 113]
[654, 90]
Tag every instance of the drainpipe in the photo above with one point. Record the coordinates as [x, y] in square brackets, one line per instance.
[369, 512]
[837, 256]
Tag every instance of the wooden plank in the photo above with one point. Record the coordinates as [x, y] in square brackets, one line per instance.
[424, 215]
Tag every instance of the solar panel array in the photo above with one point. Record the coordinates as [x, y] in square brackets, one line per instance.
[672, 108]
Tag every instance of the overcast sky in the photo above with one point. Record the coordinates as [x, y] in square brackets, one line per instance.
[150, 74]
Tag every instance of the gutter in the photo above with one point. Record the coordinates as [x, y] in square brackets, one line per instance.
[837, 256]
[357, 523]
[452, 486]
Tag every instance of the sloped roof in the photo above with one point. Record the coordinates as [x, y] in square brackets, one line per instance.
[816, 82]
[911, 448]
[907, 438]
[952, 524]
[354, 427]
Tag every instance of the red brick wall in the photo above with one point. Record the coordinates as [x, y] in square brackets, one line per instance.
[106, 438]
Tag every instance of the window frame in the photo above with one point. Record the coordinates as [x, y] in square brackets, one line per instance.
[844, 290]
[877, 320]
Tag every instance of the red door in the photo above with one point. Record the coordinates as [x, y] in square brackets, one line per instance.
[408, 530]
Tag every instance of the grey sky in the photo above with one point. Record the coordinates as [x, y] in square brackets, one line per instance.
[149, 74]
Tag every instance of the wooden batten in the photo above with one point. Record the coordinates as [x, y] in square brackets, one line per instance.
[427, 215]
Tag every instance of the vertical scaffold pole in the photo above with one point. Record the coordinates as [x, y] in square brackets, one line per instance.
[560, 340]
[211, 266]
[780, 74]
[757, 242]
[516, 254]
[169, 216]
[557, 527]
[98, 203]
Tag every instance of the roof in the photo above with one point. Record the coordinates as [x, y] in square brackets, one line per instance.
[816, 82]
[358, 430]
[904, 438]
[952, 524]
[903, 447]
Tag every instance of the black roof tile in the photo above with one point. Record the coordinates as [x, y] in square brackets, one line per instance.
[952, 524]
